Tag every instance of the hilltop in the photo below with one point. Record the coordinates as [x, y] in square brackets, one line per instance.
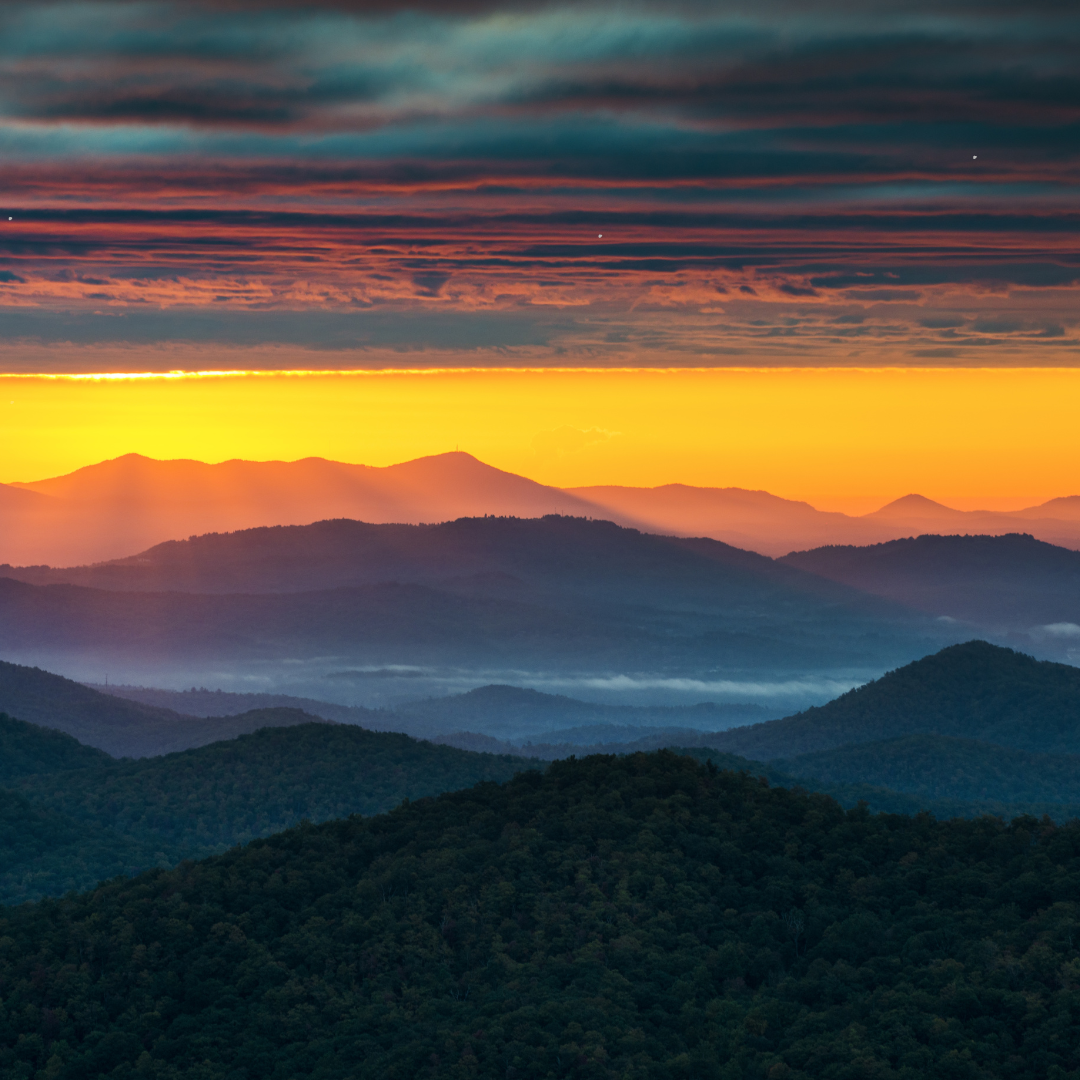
[970, 691]
[27, 749]
[498, 594]
[73, 818]
[1011, 582]
[112, 509]
[612, 917]
[121, 728]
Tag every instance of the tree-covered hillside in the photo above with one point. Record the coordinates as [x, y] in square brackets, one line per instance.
[47, 853]
[939, 766]
[970, 691]
[642, 916]
[202, 801]
[26, 749]
[83, 825]
[120, 728]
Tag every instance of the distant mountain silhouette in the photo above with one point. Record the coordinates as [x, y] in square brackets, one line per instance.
[506, 557]
[1066, 508]
[203, 702]
[970, 691]
[747, 519]
[563, 591]
[120, 728]
[1000, 582]
[116, 508]
[916, 507]
[501, 709]
[491, 708]
[765, 523]
[132, 502]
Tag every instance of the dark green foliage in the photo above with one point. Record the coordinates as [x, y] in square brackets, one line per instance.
[970, 691]
[640, 916]
[46, 853]
[26, 749]
[132, 815]
[204, 801]
[942, 767]
[852, 792]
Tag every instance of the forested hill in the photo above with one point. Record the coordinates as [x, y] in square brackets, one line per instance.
[971, 691]
[119, 727]
[26, 749]
[132, 815]
[939, 766]
[640, 916]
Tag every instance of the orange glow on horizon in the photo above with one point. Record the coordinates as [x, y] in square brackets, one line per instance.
[839, 438]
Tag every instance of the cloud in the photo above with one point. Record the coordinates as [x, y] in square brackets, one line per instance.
[651, 182]
[822, 687]
[1059, 630]
[569, 440]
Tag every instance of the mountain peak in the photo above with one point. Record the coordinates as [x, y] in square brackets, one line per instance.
[974, 690]
[915, 506]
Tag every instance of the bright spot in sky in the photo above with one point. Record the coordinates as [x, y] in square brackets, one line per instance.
[974, 157]
[599, 236]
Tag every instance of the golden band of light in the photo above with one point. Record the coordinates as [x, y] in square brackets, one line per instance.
[822, 434]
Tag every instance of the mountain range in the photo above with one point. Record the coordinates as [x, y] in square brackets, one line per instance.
[554, 594]
[117, 726]
[495, 712]
[71, 816]
[1001, 583]
[946, 734]
[119, 507]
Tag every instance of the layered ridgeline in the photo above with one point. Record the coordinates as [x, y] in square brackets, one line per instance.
[110, 509]
[1014, 583]
[120, 727]
[504, 718]
[72, 816]
[974, 722]
[635, 916]
[544, 594]
[970, 691]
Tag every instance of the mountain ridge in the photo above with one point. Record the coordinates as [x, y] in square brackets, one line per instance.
[119, 727]
[974, 690]
[1001, 582]
[118, 507]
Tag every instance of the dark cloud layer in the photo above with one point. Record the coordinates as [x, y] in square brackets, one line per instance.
[677, 182]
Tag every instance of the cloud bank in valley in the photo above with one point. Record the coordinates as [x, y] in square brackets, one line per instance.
[504, 183]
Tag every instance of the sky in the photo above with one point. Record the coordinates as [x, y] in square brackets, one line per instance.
[385, 186]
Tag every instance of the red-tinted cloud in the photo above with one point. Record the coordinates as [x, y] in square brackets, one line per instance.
[659, 183]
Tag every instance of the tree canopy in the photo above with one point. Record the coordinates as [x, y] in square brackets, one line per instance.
[637, 916]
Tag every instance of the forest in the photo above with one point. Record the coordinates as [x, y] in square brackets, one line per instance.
[636, 916]
[73, 815]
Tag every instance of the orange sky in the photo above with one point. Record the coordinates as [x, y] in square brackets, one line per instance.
[840, 438]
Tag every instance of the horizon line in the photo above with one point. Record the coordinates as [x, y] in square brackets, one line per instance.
[227, 373]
